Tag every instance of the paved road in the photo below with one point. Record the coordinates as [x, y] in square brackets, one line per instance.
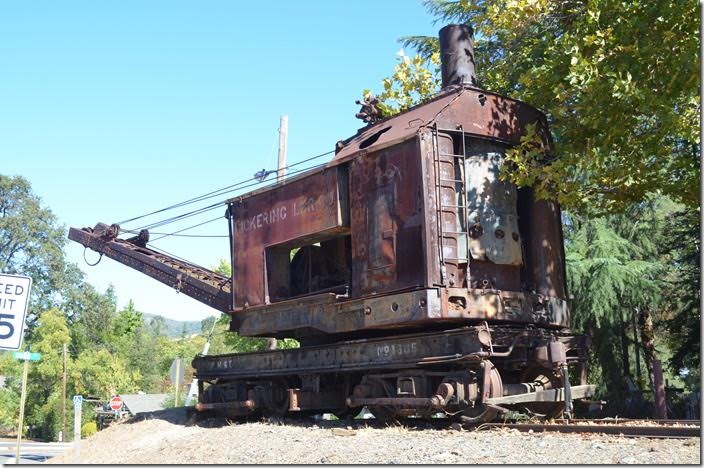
[30, 452]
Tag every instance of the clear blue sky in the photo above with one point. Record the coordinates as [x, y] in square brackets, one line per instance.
[114, 109]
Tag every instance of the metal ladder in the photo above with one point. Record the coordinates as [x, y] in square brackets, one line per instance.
[458, 185]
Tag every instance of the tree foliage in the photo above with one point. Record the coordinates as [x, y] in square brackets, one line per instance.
[415, 79]
[91, 314]
[683, 292]
[630, 265]
[618, 81]
[9, 393]
[31, 241]
[109, 351]
[608, 273]
[43, 407]
[103, 374]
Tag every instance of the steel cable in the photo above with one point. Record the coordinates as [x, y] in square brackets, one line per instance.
[207, 208]
[221, 191]
[186, 229]
[239, 186]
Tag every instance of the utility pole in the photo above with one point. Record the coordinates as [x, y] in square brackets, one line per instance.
[63, 398]
[193, 389]
[280, 177]
[283, 144]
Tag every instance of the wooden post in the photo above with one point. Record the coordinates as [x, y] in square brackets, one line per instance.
[283, 144]
[271, 343]
[178, 372]
[23, 397]
[63, 397]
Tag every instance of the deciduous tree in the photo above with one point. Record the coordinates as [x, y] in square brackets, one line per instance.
[618, 81]
[31, 242]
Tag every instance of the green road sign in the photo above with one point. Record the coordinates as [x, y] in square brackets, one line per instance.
[26, 356]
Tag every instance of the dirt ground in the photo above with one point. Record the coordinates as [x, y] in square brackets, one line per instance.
[168, 437]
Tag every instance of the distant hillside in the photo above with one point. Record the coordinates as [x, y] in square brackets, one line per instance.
[173, 328]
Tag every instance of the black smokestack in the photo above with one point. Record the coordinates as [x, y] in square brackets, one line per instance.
[457, 55]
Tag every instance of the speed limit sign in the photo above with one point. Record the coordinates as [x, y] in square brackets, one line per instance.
[14, 300]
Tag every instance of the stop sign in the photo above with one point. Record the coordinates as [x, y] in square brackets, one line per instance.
[116, 403]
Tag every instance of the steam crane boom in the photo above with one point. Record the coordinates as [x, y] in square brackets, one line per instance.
[206, 286]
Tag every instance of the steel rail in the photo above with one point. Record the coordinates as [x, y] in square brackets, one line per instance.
[664, 422]
[665, 431]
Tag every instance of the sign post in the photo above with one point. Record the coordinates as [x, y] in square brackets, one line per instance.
[26, 357]
[77, 407]
[176, 376]
[14, 300]
[116, 403]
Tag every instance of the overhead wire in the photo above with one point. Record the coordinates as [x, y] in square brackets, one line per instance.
[209, 207]
[182, 216]
[166, 234]
[237, 186]
[221, 191]
[186, 229]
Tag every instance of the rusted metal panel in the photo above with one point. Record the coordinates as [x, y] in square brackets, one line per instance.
[206, 286]
[487, 275]
[541, 228]
[302, 400]
[419, 351]
[492, 205]
[430, 237]
[325, 314]
[484, 114]
[479, 112]
[386, 207]
[381, 353]
[504, 306]
[488, 304]
[299, 212]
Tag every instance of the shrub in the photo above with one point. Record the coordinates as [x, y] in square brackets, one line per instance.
[89, 429]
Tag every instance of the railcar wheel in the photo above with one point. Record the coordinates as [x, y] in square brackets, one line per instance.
[383, 413]
[480, 412]
[547, 379]
[213, 394]
[278, 406]
[348, 414]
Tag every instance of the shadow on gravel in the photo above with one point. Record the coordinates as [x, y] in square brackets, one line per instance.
[172, 415]
[189, 417]
[184, 416]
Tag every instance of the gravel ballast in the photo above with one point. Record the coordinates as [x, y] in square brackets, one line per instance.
[165, 437]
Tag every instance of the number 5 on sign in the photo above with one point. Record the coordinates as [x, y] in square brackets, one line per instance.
[14, 300]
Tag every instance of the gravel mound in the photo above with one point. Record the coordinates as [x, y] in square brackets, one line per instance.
[169, 436]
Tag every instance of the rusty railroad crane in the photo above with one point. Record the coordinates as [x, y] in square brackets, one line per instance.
[416, 281]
